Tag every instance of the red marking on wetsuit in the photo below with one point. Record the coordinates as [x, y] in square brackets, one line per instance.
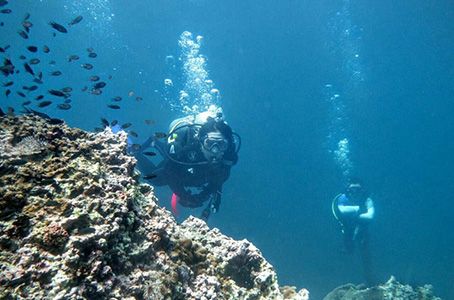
[174, 202]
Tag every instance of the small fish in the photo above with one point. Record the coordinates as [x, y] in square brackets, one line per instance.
[75, 20]
[54, 34]
[3, 50]
[34, 61]
[85, 88]
[133, 134]
[2, 24]
[46, 49]
[126, 125]
[27, 25]
[116, 99]
[23, 34]
[10, 83]
[40, 75]
[28, 69]
[73, 57]
[39, 97]
[149, 122]
[92, 55]
[114, 122]
[32, 49]
[30, 88]
[7, 68]
[138, 98]
[96, 92]
[113, 106]
[6, 11]
[99, 85]
[64, 106]
[94, 78]
[149, 153]
[67, 101]
[87, 66]
[38, 81]
[7, 92]
[52, 62]
[27, 16]
[110, 77]
[58, 27]
[56, 73]
[90, 50]
[3, 2]
[104, 122]
[28, 102]
[44, 103]
[131, 93]
[149, 177]
[21, 94]
[22, 57]
[160, 135]
[58, 93]
[67, 89]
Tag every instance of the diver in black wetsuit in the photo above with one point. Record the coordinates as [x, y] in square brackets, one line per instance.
[198, 155]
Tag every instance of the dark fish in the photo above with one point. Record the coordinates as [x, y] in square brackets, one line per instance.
[27, 25]
[23, 34]
[113, 106]
[28, 102]
[92, 55]
[149, 177]
[67, 101]
[22, 57]
[28, 69]
[138, 98]
[3, 50]
[27, 16]
[87, 66]
[30, 88]
[94, 78]
[110, 77]
[52, 62]
[58, 27]
[64, 106]
[126, 125]
[149, 153]
[10, 83]
[55, 73]
[58, 93]
[46, 49]
[44, 103]
[116, 99]
[6, 11]
[84, 88]
[54, 34]
[21, 94]
[3, 2]
[160, 135]
[90, 49]
[32, 49]
[7, 68]
[75, 21]
[67, 89]
[149, 122]
[73, 57]
[133, 134]
[96, 92]
[38, 81]
[99, 85]
[39, 97]
[7, 92]
[34, 61]
[2, 24]
[114, 122]
[104, 122]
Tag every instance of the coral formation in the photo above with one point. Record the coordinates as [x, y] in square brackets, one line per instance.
[391, 290]
[75, 223]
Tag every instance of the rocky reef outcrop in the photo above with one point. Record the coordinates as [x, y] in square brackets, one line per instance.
[391, 290]
[75, 223]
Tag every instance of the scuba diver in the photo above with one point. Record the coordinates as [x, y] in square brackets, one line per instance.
[354, 210]
[198, 153]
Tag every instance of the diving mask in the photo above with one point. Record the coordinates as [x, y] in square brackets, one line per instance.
[215, 143]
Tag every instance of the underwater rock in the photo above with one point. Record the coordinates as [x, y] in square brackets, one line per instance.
[75, 223]
[391, 290]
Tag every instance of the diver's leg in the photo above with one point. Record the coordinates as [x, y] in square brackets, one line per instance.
[363, 239]
[347, 235]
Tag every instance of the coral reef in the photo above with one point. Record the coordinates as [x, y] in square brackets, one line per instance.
[75, 223]
[391, 290]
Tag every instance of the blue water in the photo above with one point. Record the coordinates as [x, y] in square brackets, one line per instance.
[295, 79]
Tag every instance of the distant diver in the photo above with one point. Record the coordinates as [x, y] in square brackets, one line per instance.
[354, 210]
[198, 153]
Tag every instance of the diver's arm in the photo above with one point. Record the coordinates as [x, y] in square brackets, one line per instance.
[144, 165]
[369, 214]
[348, 209]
